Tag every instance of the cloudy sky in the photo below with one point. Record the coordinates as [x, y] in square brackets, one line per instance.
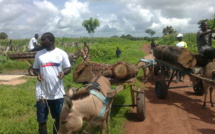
[23, 18]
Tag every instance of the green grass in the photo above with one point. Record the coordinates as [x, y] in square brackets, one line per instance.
[18, 114]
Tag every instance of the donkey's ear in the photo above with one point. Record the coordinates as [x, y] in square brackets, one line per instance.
[68, 87]
[67, 102]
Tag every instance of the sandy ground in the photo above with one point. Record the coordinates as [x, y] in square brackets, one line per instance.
[180, 113]
[13, 77]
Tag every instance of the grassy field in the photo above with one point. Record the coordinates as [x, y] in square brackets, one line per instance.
[18, 114]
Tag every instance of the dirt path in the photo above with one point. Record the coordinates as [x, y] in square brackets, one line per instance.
[180, 113]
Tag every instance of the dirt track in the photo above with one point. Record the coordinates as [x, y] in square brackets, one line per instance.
[180, 113]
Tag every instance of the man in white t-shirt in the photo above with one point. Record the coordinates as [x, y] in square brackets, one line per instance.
[33, 45]
[50, 65]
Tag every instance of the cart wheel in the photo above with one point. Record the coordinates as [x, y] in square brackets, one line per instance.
[161, 89]
[30, 71]
[140, 99]
[198, 88]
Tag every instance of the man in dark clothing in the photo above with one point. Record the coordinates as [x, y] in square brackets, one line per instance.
[204, 41]
[152, 46]
[118, 52]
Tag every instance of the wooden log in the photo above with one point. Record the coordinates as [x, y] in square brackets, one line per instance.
[174, 54]
[83, 73]
[124, 70]
[18, 55]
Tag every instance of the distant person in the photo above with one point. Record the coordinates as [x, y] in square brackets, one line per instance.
[204, 41]
[33, 45]
[153, 44]
[180, 43]
[87, 53]
[118, 52]
[50, 66]
[183, 44]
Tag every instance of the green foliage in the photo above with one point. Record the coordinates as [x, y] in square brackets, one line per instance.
[150, 32]
[189, 38]
[3, 35]
[211, 23]
[168, 30]
[91, 25]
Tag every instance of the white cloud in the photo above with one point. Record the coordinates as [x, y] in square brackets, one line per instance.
[24, 18]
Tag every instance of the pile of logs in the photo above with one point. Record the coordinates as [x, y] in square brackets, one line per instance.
[119, 71]
[173, 54]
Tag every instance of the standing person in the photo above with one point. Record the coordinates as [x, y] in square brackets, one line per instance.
[50, 66]
[33, 45]
[183, 44]
[204, 41]
[152, 46]
[87, 53]
[118, 52]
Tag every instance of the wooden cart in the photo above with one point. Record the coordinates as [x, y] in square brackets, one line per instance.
[137, 96]
[162, 85]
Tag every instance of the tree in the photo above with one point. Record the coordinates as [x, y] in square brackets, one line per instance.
[91, 25]
[168, 30]
[3, 35]
[150, 32]
[211, 23]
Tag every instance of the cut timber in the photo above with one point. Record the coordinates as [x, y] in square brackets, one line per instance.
[83, 73]
[175, 54]
[124, 70]
[18, 55]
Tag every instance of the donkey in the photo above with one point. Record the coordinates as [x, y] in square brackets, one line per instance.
[94, 108]
[147, 64]
[209, 72]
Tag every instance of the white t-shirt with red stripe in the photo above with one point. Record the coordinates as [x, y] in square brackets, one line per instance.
[50, 63]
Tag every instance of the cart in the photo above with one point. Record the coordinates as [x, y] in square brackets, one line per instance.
[137, 96]
[162, 85]
[27, 57]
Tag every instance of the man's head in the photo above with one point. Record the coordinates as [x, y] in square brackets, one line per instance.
[47, 40]
[179, 36]
[36, 36]
[204, 26]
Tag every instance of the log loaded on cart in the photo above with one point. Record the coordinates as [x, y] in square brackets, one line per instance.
[121, 73]
[175, 59]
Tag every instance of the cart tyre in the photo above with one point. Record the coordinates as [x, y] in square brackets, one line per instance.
[141, 112]
[30, 71]
[198, 88]
[161, 89]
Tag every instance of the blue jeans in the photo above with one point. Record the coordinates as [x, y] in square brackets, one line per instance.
[42, 109]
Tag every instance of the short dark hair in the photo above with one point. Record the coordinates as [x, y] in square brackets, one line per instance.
[36, 35]
[50, 36]
[203, 23]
